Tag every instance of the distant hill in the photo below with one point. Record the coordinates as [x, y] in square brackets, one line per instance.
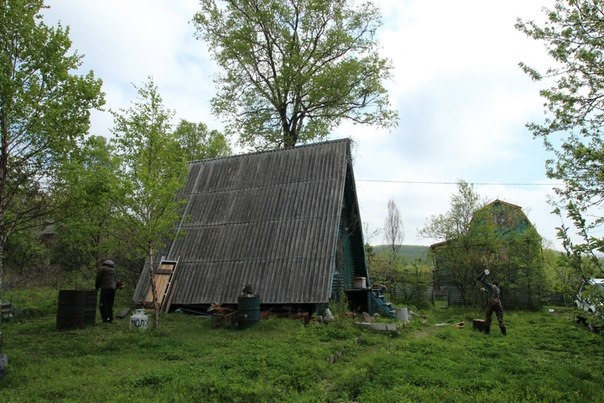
[408, 252]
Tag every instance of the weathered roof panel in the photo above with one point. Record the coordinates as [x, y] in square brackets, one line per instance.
[268, 219]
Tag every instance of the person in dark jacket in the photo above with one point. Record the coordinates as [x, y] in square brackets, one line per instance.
[493, 303]
[106, 281]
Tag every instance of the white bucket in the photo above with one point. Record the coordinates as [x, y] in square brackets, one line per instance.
[402, 314]
[360, 282]
[139, 320]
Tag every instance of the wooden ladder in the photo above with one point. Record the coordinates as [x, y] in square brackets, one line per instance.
[164, 284]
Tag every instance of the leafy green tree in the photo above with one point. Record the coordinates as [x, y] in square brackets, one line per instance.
[27, 258]
[88, 190]
[291, 71]
[198, 143]
[462, 253]
[572, 130]
[384, 272]
[44, 110]
[153, 170]
[455, 222]
[460, 259]
[560, 278]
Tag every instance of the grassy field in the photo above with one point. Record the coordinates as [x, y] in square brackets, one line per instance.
[545, 357]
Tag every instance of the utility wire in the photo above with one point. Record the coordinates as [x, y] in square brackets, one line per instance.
[455, 183]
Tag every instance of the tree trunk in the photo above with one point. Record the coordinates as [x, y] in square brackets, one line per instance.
[3, 177]
[153, 288]
[290, 137]
[1, 259]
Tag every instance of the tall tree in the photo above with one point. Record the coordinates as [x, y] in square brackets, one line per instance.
[572, 131]
[44, 109]
[393, 231]
[154, 170]
[293, 70]
[455, 222]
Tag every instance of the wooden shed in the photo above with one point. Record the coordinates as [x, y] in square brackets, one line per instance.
[285, 222]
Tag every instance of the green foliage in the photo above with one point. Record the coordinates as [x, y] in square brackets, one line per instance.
[32, 302]
[152, 171]
[499, 238]
[417, 277]
[455, 222]
[408, 279]
[572, 130]
[197, 142]
[545, 357]
[465, 246]
[559, 277]
[89, 221]
[291, 71]
[339, 307]
[44, 110]
[88, 193]
[24, 253]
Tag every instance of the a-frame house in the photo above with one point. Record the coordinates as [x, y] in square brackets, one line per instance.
[285, 222]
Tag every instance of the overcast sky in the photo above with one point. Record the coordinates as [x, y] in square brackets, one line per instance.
[462, 99]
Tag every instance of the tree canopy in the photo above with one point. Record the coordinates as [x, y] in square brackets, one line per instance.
[455, 222]
[152, 169]
[574, 103]
[88, 193]
[44, 110]
[197, 142]
[291, 71]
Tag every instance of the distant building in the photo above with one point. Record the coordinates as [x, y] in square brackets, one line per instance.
[49, 233]
[285, 222]
[501, 238]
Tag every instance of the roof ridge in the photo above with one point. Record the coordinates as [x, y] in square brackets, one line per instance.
[498, 200]
[307, 145]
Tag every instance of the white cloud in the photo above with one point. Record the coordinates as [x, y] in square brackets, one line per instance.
[464, 103]
[462, 98]
[125, 42]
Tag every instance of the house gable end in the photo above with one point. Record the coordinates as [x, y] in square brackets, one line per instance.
[267, 219]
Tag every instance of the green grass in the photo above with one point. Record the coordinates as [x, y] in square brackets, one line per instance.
[545, 357]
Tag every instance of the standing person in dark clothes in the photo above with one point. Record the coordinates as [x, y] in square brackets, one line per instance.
[106, 281]
[493, 303]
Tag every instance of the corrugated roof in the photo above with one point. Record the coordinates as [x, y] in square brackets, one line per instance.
[268, 219]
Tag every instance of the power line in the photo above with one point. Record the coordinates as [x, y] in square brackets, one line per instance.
[455, 183]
